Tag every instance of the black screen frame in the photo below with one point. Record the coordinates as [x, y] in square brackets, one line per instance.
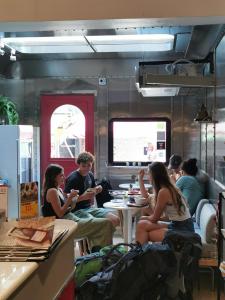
[111, 162]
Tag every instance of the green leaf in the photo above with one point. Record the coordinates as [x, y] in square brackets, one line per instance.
[8, 109]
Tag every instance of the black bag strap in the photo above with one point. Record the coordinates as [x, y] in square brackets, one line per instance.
[106, 257]
[135, 250]
[115, 248]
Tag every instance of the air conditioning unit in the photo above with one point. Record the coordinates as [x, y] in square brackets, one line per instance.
[166, 78]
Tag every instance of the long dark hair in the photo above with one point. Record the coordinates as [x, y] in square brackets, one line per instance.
[160, 178]
[190, 166]
[51, 172]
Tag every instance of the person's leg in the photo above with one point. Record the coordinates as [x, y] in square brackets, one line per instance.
[145, 228]
[157, 235]
[115, 220]
[98, 231]
[105, 213]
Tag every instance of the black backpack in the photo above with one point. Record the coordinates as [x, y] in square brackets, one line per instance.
[138, 275]
[189, 245]
[104, 196]
[187, 248]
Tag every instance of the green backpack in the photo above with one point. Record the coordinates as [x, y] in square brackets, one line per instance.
[92, 263]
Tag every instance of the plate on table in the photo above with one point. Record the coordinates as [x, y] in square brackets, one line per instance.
[117, 193]
[132, 204]
[116, 200]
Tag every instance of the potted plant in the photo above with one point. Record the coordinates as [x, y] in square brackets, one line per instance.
[8, 112]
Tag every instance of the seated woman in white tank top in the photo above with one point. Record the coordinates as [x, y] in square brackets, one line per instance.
[168, 201]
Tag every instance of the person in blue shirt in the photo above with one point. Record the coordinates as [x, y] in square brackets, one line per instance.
[189, 185]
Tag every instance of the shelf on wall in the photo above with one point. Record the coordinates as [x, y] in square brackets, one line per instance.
[206, 122]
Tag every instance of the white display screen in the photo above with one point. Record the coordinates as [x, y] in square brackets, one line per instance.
[139, 141]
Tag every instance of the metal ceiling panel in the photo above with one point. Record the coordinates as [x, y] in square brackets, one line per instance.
[182, 41]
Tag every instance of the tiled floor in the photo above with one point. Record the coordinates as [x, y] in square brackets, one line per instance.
[202, 291]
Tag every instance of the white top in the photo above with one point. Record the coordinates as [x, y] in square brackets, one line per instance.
[172, 214]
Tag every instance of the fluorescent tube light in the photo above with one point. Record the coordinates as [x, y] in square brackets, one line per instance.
[131, 48]
[45, 41]
[126, 39]
[79, 44]
[53, 44]
[131, 43]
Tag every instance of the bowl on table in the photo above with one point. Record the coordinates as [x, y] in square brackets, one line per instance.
[139, 200]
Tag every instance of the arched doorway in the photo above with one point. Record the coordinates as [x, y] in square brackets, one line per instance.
[67, 128]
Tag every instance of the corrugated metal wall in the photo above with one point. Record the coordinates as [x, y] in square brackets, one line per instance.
[118, 98]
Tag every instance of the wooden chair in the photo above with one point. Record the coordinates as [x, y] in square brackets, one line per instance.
[212, 265]
[83, 246]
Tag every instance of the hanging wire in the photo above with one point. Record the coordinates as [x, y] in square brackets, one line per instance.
[172, 68]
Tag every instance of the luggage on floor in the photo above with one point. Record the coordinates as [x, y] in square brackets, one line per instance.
[138, 275]
[187, 249]
[88, 265]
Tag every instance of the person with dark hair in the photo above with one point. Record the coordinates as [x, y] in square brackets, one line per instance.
[174, 167]
[169, 201]
[98, 231]
[83, 180]
[189, 185]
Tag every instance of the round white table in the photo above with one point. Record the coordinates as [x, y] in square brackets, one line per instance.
[134, 185]
[127, 211]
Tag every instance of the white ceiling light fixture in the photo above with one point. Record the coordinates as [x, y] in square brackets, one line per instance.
[132, 43]
[166, 91]
[53, 44]
[88, 44]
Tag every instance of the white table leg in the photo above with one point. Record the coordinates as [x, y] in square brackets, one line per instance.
[127, 226]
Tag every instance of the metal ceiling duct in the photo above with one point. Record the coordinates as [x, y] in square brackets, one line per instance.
[204, 39]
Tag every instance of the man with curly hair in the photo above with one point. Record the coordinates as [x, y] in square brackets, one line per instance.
[82, 179]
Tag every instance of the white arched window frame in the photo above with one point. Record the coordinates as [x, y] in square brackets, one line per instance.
[67, 132]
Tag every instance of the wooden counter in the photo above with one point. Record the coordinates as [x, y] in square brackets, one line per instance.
[45, 280]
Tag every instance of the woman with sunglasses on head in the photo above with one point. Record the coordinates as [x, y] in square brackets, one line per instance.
[169, 201]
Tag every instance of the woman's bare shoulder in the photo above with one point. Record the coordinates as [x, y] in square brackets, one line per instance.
[164, 192]
[51, 192]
